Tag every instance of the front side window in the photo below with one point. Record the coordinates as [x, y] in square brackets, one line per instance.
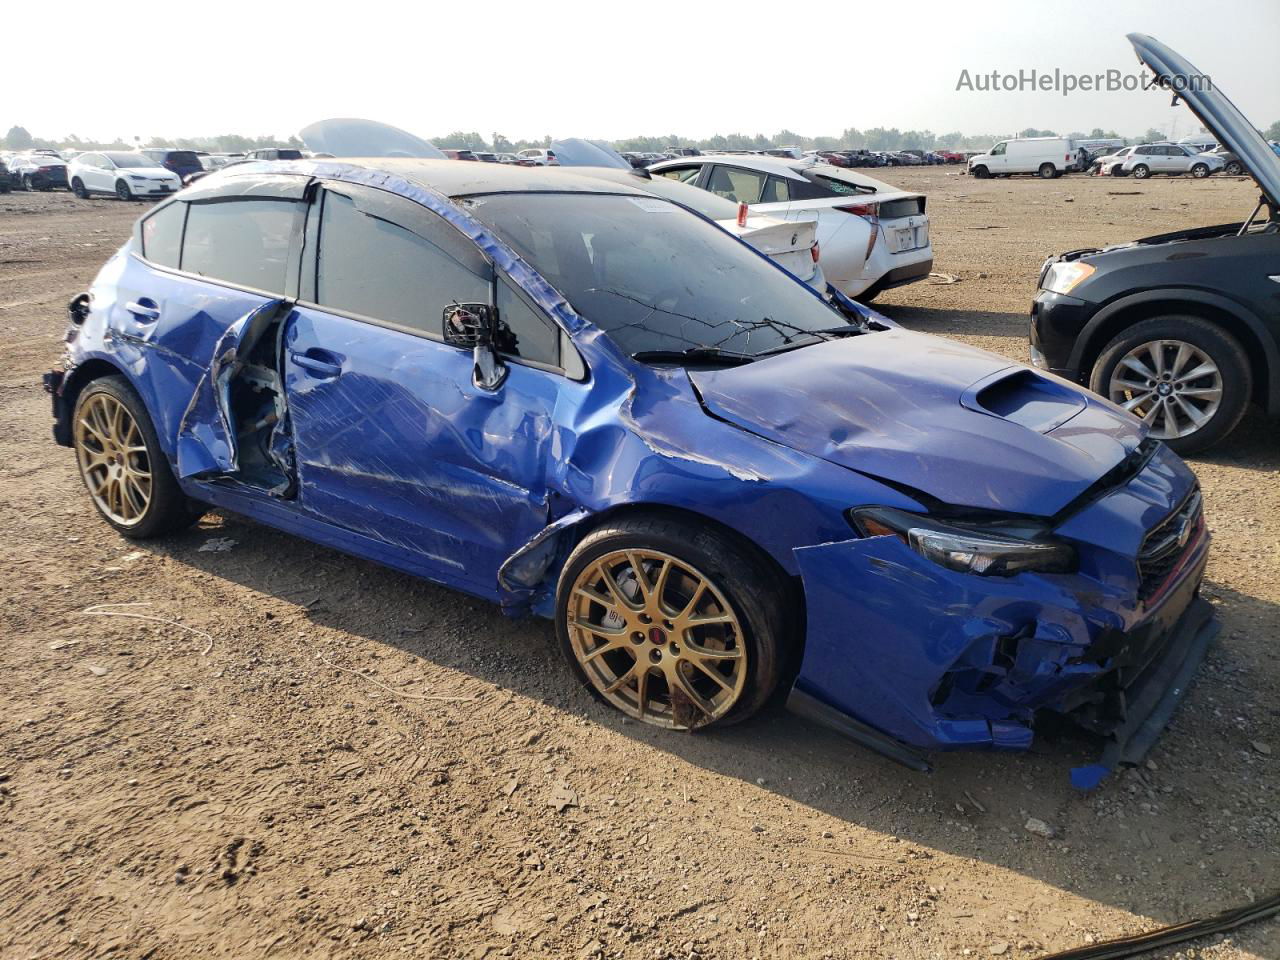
[524, 330]
[653, 276]
[733, 183]
[998, 150]
[243, 242]
[389, 259]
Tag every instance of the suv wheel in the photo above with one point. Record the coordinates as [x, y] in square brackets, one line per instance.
[1141, 171]
[1187, 379]
[1234, 168]
[123, 191]
[122, 465]
[677, 626]
[1048, 171]
[1200, 171]
[77, 187]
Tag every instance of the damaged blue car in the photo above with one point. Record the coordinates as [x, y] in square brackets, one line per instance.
[583, 401]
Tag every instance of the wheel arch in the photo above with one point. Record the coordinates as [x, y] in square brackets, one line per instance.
[1259, 345]
[73, 385]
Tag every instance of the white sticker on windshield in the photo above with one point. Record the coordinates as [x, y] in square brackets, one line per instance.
[651, 205]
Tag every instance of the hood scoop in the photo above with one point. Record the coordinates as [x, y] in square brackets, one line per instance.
[1025, 398]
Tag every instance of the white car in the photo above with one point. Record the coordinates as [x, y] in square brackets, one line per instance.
[1109, 164]
[872, 235]
[792, 245]
[1046, 157]
[1170, 158]
[539, 158]
[126, 175]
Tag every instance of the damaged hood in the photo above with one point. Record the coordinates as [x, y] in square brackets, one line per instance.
[1210, 105]
[963, 426]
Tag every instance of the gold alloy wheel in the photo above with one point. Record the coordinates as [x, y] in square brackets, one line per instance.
[657, 639]
[113, 459]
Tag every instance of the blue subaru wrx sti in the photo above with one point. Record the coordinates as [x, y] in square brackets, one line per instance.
[580, 400]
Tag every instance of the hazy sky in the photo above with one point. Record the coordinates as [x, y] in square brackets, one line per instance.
[612, 69]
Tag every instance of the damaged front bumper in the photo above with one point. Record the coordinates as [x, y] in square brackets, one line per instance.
[906, 656]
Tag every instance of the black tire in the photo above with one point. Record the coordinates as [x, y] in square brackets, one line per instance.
[77, 187]
[169, 509]
[1141, 172]
[1200, 171]
[981, 173]
[1047, 171]
[753, 588]
[1234, 168]
[123, 191]
[1222, 348]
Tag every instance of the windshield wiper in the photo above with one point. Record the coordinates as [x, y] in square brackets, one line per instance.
[702, 354]
[817, 336]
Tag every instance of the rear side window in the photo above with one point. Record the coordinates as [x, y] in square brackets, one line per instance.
[162, 235]
[742, 186]
[244, 242]
[396, 262]
[776, 190]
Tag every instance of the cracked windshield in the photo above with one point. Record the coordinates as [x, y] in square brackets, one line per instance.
[685, 287]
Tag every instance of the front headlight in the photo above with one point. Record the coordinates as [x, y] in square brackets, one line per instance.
[1065, 275]
[968, 549]
[134, 176]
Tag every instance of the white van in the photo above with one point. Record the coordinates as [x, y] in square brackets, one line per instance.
[1048, 157]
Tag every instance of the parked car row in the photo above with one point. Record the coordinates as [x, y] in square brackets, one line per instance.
[1173, 159]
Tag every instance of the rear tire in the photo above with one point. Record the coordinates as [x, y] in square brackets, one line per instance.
[122, 465]
[1141, 172]
[1169, 347]
[740, 636]
[123, 190]
[1047, 171]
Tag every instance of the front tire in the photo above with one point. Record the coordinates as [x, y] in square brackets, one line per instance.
[122, 465]
[1234, 169]
[77, 187]
[1186, 378]
[123, 191]
[1141, 171]
[1200, 171]
[676, 625]
[981, 173]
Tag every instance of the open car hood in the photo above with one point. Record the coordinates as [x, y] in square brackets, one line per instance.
[963, 426]
[1214, 110]
[352, 137]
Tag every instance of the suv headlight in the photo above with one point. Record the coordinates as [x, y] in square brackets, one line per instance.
[134, 176]
[968, 549]
[1065, 275]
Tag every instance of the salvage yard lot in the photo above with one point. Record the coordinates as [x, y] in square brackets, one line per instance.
[307, 755]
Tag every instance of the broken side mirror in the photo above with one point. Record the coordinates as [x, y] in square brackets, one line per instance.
[472, 325]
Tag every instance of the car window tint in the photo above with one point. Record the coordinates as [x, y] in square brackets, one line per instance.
[525, 331]
[683, 174]
[377, 268]
[743, 186]
[245, 242]
[162, 235]
[776, 190]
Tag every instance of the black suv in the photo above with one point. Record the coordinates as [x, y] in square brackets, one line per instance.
[1181, 329]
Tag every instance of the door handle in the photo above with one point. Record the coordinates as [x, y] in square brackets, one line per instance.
[143, 308]
[317, 365]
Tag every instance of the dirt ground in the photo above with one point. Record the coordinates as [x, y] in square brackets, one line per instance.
[307, 755]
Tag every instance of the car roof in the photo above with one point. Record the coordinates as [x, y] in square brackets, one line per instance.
[781, 166]
[453, 178]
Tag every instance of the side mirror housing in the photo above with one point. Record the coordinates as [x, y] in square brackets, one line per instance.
[473, 326]
[468, 325]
